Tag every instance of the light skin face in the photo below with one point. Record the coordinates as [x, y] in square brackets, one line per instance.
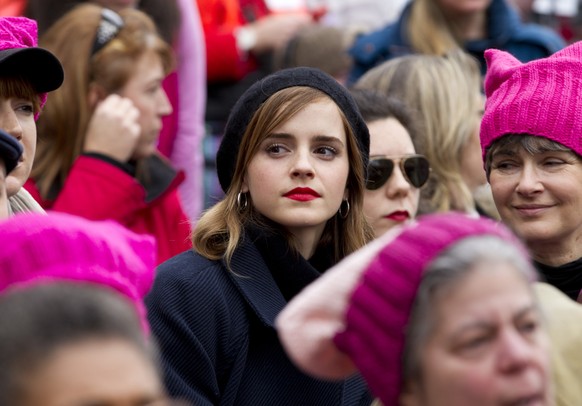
[539, 196]
[397, 200]
[108, 372]
[488, 347]
[17, 119]
[145, 90]
[308, 151]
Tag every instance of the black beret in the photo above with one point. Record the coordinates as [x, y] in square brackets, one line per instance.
[260, 91]
[10, 151]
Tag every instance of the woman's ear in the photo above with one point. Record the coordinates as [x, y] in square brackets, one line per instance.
[96, 94]
[346, 194]
[244, 187]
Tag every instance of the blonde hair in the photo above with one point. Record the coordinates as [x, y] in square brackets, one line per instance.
[444, 91]
[219, 230]
[429, 31]
[63, 124]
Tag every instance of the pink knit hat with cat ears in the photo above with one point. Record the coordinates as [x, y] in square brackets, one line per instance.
[19, 55]
[541, 98]
[40, 248]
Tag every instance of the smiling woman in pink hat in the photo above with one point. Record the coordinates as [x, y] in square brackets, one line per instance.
[531, 144]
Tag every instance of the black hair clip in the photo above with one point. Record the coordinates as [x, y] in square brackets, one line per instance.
[109, 26]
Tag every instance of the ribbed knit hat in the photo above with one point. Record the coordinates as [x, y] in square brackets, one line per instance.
[38, 248]
[259, 92]
[541, 98]
[19, 55]
[355, 316]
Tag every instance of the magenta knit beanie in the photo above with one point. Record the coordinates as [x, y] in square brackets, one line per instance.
[380, 305]
[38, 248]
[542, 97]
[20, 55]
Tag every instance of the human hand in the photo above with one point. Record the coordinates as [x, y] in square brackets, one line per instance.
[113, 129]
[274, 31]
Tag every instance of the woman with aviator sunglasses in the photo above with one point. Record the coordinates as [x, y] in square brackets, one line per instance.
[395, 172]
[449, 118]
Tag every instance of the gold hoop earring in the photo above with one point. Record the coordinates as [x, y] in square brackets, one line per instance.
[242, 201]
[344, 209]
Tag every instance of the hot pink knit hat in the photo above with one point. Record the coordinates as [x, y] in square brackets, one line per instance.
[38, 248]
[19, 54]
[542, 97]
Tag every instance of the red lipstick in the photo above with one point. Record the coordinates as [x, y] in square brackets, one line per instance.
[302, 194]
[401, 215]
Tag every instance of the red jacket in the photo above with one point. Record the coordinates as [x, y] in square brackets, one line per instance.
[98, 190]
[219, 19]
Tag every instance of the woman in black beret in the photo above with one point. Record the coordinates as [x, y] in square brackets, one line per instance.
[292, 165]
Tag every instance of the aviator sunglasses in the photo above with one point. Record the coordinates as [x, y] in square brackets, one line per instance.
[415, 169]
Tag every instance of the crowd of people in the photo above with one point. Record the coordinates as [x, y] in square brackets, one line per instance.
[289, 202]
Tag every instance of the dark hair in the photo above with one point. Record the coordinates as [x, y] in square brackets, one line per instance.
[375, 106]
[36, 321]
[19, 87]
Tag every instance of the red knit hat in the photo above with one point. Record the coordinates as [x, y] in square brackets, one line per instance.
[38, 248]
[541, 98]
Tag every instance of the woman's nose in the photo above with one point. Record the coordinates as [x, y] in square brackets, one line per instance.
[515, 352]
[9, 122]
[529, 180]
[397, 185]
[302, 165]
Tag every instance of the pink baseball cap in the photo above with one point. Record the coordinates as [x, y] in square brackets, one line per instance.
[20, 55]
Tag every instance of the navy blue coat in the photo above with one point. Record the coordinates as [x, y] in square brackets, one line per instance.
[217, 337]
[505, 31]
